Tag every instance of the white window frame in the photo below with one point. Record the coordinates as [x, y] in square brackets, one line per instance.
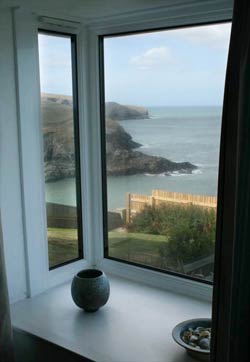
[30, 134]
[39, 277]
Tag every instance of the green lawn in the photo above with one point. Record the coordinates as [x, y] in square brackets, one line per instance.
[122, 245]
[137, 247]
[63, 245]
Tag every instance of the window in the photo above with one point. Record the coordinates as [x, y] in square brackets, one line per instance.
[57, 58]
[161, 137]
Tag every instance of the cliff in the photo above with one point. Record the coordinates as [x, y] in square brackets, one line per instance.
[122, 156]
[117, 138]
[58, 137]
[123, 159]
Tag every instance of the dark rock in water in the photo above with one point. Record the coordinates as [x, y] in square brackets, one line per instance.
[118, 112]
[122, 159]
[124, 162]
[122, 156]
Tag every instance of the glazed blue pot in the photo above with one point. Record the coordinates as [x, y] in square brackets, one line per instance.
[90, 289]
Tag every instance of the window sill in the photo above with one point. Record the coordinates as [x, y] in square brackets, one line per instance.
[135, 325]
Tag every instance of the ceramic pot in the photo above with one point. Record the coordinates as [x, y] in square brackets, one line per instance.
[90, 289]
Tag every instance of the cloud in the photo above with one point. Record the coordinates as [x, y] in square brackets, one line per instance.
[214, 36]
[152, 57]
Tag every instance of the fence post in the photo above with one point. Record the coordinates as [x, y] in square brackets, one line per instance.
[127, 208]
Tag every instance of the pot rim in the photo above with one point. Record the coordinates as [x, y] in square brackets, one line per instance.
[98, 273]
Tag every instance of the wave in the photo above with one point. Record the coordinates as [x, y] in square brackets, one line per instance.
[197, 172]
[153, 116]
[145, 146]
[178, 174]
[174, 173]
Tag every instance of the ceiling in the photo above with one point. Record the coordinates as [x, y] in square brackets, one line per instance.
[97, 9]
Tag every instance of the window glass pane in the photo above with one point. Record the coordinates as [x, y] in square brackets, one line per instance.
[163, 108]
[61, 164]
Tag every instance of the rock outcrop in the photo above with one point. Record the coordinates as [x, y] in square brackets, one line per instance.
[122, 156]
[123, 159]
[123, 162]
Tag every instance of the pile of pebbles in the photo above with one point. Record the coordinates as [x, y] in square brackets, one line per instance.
[198, 337]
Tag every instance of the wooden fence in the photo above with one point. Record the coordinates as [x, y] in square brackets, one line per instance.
[61, 216]
[65, 216]
[136, 202]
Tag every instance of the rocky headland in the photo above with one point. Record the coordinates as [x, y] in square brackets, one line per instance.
[119, 112]
[123, 156]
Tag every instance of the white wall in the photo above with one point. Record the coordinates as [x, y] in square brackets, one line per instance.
[10, 187]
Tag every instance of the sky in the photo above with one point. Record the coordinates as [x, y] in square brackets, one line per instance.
[55, 64]
[181, 67]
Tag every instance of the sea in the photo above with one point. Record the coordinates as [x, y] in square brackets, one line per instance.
[177, 133]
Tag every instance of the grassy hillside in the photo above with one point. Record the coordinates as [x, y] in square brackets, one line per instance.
[57, 115]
